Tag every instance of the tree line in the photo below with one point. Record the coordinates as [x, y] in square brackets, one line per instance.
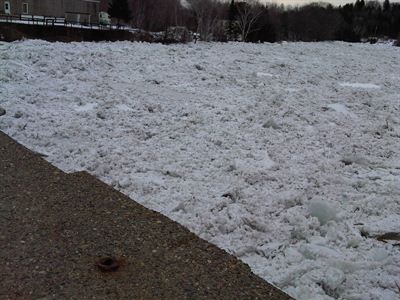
[252, 21]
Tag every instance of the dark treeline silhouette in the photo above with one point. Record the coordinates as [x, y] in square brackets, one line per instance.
[252, 21]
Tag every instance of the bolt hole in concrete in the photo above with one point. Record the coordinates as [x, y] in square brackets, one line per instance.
[108, 264]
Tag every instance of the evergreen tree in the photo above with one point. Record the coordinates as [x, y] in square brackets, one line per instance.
[386, 6]
[232, 11]
[359, 5]
[232, 31]
[119, 9]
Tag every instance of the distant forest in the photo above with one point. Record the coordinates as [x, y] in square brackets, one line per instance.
[252, 21]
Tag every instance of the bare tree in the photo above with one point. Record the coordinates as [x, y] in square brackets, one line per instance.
[206, 13]
[155, 15]
[248, 12]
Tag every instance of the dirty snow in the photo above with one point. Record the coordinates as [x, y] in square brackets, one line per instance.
[281, 154]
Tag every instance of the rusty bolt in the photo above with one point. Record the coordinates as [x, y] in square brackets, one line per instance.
[108, 264]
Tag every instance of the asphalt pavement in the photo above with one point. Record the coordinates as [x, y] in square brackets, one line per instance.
[71, 236]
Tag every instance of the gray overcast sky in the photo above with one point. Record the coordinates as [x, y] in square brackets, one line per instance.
[300, 2]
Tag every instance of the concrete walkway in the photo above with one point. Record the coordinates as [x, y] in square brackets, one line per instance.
[72, 236]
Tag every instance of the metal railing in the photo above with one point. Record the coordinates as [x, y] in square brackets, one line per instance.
[52, 21]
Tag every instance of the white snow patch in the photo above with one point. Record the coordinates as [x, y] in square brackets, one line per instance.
[262, 74]
[85, 107]
[360, 85]
[123, 107]
[341, 109]
[376, 225]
